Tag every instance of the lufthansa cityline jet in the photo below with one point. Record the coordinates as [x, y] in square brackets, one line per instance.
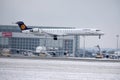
[59, 32]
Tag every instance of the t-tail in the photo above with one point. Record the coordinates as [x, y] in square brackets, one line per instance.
[22, 25]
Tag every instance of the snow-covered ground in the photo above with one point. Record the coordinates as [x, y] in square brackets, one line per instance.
[35, 69]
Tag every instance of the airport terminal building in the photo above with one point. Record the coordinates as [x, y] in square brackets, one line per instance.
[11, 37]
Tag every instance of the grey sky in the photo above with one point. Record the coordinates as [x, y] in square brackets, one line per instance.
[100, 14]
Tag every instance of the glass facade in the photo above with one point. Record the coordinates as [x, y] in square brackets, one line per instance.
[4, 42]
[24, 43]
[68, 46]
[28, 42]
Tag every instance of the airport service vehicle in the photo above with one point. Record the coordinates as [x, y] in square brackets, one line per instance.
[41, 51]
[5, 52]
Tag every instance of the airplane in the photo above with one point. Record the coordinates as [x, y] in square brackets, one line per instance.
[59, 32]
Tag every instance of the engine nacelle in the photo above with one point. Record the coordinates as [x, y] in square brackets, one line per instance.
[26, 31]
[35, 30]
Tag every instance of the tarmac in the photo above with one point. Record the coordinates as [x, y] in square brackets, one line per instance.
[37, 68]
[64, 58]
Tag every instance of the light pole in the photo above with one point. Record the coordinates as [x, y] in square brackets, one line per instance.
[84, 46]
[117, 36]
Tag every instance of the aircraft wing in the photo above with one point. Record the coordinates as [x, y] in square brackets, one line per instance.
[52, 34]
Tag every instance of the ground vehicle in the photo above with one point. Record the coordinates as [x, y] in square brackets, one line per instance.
[42, 51]
[6, 52]
[99, 54]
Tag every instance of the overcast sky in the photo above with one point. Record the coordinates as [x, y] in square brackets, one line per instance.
[100, 14]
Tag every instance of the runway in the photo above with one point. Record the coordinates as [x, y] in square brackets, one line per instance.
[45, 69]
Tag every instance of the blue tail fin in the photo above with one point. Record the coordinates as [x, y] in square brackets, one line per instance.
[22, 25]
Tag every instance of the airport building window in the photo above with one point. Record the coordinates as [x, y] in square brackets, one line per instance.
[24, 43]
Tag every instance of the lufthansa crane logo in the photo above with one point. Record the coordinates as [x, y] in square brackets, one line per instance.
[23, 27]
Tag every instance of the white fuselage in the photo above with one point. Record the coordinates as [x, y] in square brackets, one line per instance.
[62, 32]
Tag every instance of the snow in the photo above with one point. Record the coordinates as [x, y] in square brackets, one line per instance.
[35, 69]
